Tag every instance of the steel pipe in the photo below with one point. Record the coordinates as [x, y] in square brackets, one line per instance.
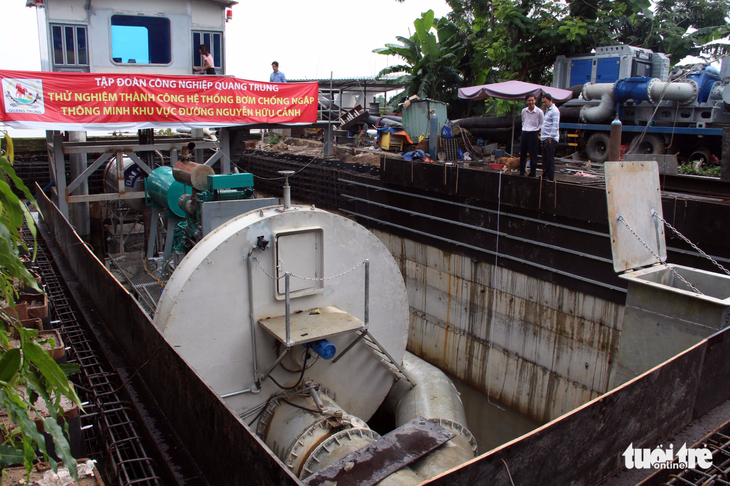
[436, 399]
[607, 107]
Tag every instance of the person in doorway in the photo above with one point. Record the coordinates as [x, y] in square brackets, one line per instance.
[549, 136]
[277, 76]
[207, 67]
[532, 119]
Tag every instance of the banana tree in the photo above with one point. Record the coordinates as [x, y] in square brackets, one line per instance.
[435, 59]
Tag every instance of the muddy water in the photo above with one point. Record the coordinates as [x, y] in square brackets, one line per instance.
[492, 426]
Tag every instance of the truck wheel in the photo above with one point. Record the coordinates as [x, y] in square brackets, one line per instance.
[702, 155]
[652, 144]
[597, 147]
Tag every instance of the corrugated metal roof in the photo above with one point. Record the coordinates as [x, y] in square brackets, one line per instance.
[354, 84]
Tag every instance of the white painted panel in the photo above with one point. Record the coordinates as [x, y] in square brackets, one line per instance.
[66, 11]
[208, 16]
[632, 193]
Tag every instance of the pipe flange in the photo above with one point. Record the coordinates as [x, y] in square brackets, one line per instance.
[457, 428]
[695, 92]
[649, 85]
[266, 417]
[315, 434]
[275, 403]
[359, 437]
[312, 436]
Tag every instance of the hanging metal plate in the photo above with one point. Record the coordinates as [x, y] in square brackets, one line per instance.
[632, 192]
[377, 460]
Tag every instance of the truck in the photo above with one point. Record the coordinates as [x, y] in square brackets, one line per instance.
[681, 111]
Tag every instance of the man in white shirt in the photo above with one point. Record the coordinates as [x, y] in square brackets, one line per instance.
[532, 119]
[549, 136]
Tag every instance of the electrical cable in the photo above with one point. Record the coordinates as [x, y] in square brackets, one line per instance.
[300, 407]
[266, 405]
[301, 377]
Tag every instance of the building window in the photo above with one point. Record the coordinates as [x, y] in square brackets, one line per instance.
[213, 41]
[69, 45]
[141, 40]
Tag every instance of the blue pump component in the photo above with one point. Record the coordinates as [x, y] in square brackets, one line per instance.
[636, 89]
[705, 79]
[433, 136]
[324, 348]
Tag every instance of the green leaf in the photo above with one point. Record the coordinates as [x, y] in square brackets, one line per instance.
[9, 151]
[69, 369]
[17, 410]
[17, 181]
[10, 455]
[49, 369]
[421, 30]
[9, 365]
[63, 449]
[427, 19]
[11, 204]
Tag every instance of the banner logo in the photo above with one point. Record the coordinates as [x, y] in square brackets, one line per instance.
[663, 458]
[23, 96]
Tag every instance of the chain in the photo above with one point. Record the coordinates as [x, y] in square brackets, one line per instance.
[621, 219]
[317, 279]
[686, 240]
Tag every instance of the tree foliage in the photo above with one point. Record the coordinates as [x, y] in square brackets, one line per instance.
[435, 61]
[499, 40]
[28, 374]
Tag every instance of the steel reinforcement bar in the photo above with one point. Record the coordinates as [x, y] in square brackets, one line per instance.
[108, 422]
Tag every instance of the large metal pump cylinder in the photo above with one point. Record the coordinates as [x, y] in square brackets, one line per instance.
[133, 180]
[216, 317]
[165, 191]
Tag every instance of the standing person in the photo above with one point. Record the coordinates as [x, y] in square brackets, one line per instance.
[207, 67]
[532, 119]
[277, 76]
[549, 136]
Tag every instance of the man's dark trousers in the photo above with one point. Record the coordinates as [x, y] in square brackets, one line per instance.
[529, 142]
[548, 158]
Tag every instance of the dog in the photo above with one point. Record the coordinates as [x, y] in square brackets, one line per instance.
[510, 163]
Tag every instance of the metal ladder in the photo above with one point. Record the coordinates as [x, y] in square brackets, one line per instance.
[385, 358]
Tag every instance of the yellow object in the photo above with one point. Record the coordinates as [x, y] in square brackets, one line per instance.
[391, 142]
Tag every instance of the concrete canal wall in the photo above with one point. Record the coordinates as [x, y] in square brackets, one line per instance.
[534, 346]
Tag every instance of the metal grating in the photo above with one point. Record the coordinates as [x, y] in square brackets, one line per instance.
[450, 147]
[145, 282]
[718, 473]
[318, 181]
[110, 430]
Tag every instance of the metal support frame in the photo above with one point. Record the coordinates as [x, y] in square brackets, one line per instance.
[172, 222]
[366, 313]
[287, 280]
[328, 146]
[154, 227]
[119, 217]
[54, 142]
[57, 149]
[225, 150]
[213, 159]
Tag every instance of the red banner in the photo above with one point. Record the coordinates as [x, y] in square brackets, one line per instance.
[81, 101]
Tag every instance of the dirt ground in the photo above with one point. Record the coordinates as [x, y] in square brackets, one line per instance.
[314, 148]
